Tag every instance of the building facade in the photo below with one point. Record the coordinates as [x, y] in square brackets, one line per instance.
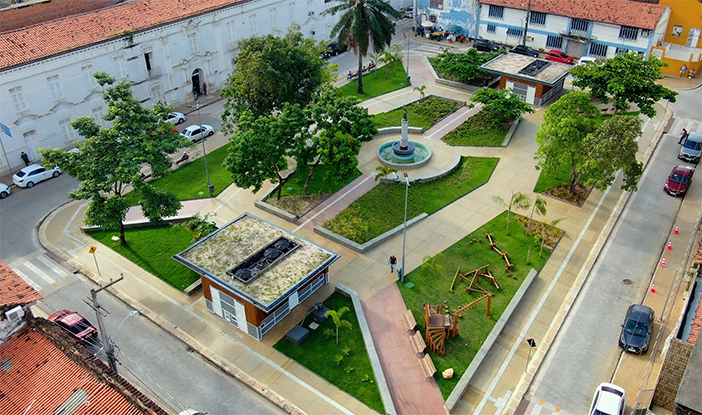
[682, 45]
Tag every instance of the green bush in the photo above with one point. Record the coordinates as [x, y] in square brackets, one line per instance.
[463, 67]
[480, 130]
[423, 113]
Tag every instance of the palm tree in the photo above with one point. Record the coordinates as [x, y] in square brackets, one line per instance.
[420, 89]
[366, 23]
[518, 200]
[384, 171]
[338, 322]
[429, 263]
[396, 56]
[539, 207]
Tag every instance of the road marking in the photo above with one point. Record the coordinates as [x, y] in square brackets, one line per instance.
[39, 273]
[28, 280]
[60, 271]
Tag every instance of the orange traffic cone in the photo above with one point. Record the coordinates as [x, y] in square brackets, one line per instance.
[676, 231]
[653, 288]
[663, 263]
[670, 246]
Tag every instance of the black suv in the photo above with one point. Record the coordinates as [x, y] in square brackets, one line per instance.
[637, 329]
[484, 45]
[525, 50]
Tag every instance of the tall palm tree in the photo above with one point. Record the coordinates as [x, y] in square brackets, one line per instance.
[518, 201]
[539, 207]
[366, 23]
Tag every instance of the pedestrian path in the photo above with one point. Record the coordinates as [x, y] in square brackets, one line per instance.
[41, 272]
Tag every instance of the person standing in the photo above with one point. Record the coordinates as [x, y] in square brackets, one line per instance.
[392, 261]
[683, 70]
[204, 88]
[25, 158]
[683, 136]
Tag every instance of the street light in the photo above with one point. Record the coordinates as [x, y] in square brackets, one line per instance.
[210, 186]
[401, 271]
[132, 314]
[675, 276]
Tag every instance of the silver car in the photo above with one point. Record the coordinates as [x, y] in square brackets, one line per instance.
[33, 174]
[197, 132]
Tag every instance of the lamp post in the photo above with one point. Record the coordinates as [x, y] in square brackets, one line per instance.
[210, 187]
[132, 314]
[408, 49]
[404, 234]
[526, 22]
[667, 297]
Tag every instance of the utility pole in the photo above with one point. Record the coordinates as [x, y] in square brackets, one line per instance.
[109, 351]
[526, 23]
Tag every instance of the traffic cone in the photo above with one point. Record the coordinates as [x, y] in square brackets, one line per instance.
[653, 288]
[670, 246]
[676, 231]
[663, 263]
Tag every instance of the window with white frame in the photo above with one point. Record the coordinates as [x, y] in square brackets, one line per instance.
[69, 134]
[55, 87]
[88, 76]
[121, 66]
[192, 41]
[491, 28]
[231, 29]
[554, 42]
[496, 12]
[537, 18]
[18, 98]
[515, 32]
[628, 33]
[436, 4]
[30, 137]
[97, 115]
[598, 50]
[621, 51]
[253, 29]
[293, 11]
[274, 18]
[157, 93]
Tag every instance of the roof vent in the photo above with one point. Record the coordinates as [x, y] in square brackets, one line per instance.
[535, 67]
[265, 258]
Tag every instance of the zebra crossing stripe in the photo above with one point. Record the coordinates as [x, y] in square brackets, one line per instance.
[39, 273]
[58, 270]
[28, 280]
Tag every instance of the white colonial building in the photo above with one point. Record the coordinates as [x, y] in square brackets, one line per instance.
[166, 48]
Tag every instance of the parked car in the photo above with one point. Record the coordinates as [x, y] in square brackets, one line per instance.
[587, 59]
[525, 50]
[335, 49]
[558, 56]
[33, 174]
[637, 329]
[4, 190]
[196, 132]
[176, 118]
[609, 399]
[679, 180]
[691, 148]
[75, 324]
[407, 13]
[484, 45]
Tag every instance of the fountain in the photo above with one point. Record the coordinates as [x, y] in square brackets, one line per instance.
[404, 154]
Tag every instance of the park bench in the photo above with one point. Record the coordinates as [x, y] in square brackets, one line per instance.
[427, 367]
[409, 322]
[418, 343]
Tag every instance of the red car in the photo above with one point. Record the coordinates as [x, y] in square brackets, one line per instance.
[75, 324]
[558, 56]
[679, 180]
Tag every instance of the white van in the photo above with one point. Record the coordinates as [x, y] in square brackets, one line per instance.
[691, 148]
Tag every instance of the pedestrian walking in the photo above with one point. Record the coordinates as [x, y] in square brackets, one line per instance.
[392, 261]
[204, 88]
[25, 158]
[683, 70]
[683, 136]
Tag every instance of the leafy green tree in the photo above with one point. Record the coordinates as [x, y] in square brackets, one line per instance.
[517, 201]
[108, 164]
[464, 67]
[561, 138]
[613, 147]
[539, 206]
[272, 71]
[429, 263]
[626, 78]
[502, 105]
[366, 23]
[338, 322]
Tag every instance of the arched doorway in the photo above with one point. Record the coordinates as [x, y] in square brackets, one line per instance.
[198, 79]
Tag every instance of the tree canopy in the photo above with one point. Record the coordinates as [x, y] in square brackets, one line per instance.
[108, 164]
[362, 24]
[626, 78]
[502, 105]
[463, 67]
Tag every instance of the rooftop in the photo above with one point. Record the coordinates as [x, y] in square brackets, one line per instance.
[620, 12]
[512, 63]
[240, 241]
[14, 290]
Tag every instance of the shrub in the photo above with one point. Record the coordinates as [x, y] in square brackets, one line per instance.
[463, 67]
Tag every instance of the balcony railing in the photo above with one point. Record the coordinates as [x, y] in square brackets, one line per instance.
[154, 72]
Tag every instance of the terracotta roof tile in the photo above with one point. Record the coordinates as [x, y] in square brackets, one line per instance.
[620, 12]
[36, 374]
[18, 16]
[47, 39]
[14, 290]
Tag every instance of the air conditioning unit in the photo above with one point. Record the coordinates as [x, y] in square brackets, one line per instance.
[15, 314]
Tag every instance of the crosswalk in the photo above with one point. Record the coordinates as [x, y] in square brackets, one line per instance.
[42, 273]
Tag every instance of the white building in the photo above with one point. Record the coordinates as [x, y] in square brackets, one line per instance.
[166, 48]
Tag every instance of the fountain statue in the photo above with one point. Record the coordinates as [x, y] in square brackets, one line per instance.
[404, 153]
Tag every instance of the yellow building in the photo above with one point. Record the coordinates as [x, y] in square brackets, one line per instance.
[682, 47]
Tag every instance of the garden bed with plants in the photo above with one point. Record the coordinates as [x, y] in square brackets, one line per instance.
[424, 113]
[382, 208]
[463, 67]
[480, 130]
[344, 364]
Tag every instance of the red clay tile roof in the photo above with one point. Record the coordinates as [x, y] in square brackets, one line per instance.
[47, 39]
[36, 374]
[621, 12]
[14, 290]
[18, 16]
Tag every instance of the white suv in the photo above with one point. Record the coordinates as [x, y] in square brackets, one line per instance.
[33, 174]
[609, 399]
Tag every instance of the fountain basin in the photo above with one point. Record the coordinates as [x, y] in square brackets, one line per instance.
[416, 155]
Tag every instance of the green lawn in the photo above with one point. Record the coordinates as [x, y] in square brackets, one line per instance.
[319, 353]
[474, 326]
[190, 182]
[376, 84]
[424, 113]
[320, 182]
[382, 209]
[478, 130]
[151, 248]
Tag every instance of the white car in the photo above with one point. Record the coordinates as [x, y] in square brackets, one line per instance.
[176, 118]
[33, 174]
[588, 59]
[4, 190]
[609, 399]
[197, 132]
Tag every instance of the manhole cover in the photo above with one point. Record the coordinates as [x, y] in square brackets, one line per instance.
[627, 281]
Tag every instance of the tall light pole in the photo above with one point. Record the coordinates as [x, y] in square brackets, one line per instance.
[210, 186]
[404, 235]
[408, 49]
[672, 283]
[526, 22]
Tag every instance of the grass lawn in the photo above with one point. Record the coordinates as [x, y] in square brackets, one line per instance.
[319, 353]
[478, 130]
[374, 86]
[151, 248]
[474, 326]
[320, 182]
[424, 113]
[382, 209]
[190, 181]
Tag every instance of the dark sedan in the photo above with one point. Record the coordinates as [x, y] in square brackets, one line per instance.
[637, 329]
[525, 50]
[484, 45]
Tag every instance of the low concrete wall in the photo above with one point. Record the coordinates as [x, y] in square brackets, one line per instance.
[398, 130]
[454, 84]
[370, 346]
[261, 203]
[463, 384]
[370, 244]
[510, 133]
[430, 177]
